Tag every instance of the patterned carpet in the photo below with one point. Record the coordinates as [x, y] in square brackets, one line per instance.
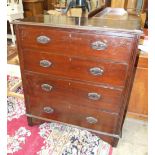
[47, 138]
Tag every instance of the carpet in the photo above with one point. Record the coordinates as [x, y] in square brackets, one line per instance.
[47, 138]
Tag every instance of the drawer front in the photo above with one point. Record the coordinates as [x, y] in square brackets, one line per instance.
[79, 69]
[65, 42]
[64, 91]
[73, 114]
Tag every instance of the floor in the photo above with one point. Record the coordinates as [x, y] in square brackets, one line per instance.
[134, 136]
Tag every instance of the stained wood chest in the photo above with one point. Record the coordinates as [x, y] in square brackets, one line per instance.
[78, 71]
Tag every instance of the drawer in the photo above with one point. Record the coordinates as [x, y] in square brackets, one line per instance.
[73, 114]
[75, 68]
[65, 91]
[65, 42]
[48, 39]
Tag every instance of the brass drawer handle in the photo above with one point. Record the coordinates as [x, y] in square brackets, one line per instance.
[45, 63]
[91, 120]
[94, 96]
[43, 39]
[99, 45]
[96, 71]
[46, 87]
[48, 110]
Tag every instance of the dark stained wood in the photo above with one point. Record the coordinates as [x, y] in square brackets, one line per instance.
[131, 25]
[69, 77]
[111, 140]
[72, 114]
[129, 84]
[33, 7]
[94, 12]
[67, 91]
[49, 4]
[79, 69]
[63, 41]
[117, 47]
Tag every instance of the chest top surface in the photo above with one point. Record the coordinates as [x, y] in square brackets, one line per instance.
[101, 21]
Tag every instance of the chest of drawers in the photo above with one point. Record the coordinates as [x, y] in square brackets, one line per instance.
[77, 75]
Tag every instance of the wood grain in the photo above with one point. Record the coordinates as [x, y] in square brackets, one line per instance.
[76, 68]
[73, 114]
[138, 105]
[68, 91]
[33, 7]
[64, 41]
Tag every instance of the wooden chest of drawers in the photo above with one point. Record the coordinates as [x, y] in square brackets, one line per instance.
[77, 75]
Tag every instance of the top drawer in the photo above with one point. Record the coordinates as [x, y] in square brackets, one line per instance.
[80, 44]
